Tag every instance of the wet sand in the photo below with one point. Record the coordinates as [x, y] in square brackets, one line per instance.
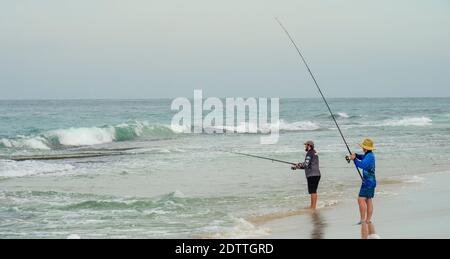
[414, 210]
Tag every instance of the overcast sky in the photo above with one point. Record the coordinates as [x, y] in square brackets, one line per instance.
[58, 49]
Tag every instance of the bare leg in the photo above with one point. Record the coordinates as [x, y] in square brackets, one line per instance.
[313, 201]
[364, 231]
[371, 229]
[369, 210]
[362, 208]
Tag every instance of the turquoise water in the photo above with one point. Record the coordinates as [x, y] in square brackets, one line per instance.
[123, 173]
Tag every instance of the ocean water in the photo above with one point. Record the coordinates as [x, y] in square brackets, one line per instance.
[115, 169]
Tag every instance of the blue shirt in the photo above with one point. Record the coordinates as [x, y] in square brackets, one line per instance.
[367, 163]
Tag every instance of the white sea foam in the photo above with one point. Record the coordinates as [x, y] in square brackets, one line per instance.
[298, 126]
[282, 126]
[179, 194]
[84, 136]
[5, 143]
[327, 204]
[241, 228]
[411, 121]
[180, 128]
[88, 136]
[36, 143]
[403, 122]
[73, 236]
[343, 115]
[11, 169]
[24, 142]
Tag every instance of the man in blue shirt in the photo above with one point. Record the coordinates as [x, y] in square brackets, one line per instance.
[367, 163]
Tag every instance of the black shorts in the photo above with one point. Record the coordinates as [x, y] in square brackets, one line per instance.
[313, 184]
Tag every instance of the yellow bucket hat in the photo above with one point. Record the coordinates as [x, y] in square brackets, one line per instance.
[367, 144]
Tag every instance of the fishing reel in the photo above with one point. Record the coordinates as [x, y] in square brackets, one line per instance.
[297, 166]
[348, 159]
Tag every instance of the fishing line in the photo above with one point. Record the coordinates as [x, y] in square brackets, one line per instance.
[320, 91]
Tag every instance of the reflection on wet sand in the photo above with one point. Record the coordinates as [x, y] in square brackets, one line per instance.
[368, 231]
[318, 224]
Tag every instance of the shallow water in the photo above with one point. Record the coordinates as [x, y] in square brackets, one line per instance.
[126, 174]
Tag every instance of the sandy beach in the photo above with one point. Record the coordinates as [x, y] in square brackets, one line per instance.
[417, 210]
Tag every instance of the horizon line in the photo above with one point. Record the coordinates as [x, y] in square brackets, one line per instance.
[205, 97]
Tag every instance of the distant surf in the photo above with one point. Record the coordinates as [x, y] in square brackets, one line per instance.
[411, 121]
[89, 136]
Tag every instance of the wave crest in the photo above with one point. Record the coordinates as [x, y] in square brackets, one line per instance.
[283, 126]
[343, 115]
[74, 137]
[412, 121]
[298, 126]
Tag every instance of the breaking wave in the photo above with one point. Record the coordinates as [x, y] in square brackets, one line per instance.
[338, 115]
[414, 121]
[343, 115]
[24, 142]
[89, 136]
[283, 126]
[403, 122]
[298, 126]
[74, 137]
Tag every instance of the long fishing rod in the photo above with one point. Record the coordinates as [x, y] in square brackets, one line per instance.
[271, 159]
[320, 91]
[265, 158]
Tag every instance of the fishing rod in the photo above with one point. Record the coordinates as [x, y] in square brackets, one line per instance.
[265, 158]
[271, 159]
[320, 91]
